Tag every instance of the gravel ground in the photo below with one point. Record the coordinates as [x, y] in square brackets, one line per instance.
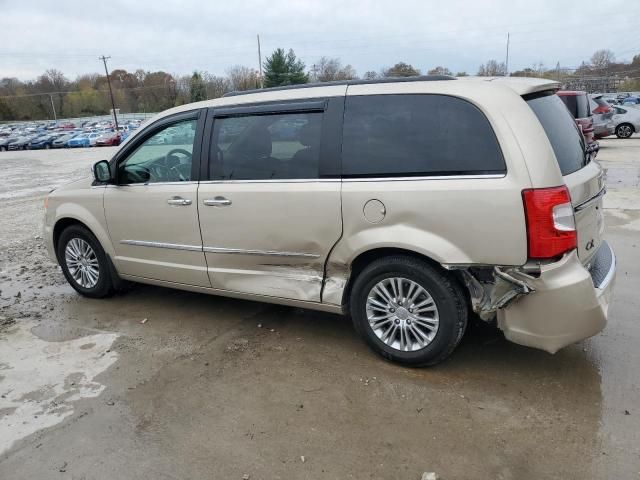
[163, 384]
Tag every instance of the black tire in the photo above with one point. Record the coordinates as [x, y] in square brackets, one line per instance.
[104, 286]
[3, 149]
[443, 288]
[624, 130]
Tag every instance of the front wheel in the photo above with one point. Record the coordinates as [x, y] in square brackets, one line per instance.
[408, 311]
[84, 262]
[624, 130]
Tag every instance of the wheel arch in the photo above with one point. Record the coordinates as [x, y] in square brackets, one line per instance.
[360, 262]
[98, 232]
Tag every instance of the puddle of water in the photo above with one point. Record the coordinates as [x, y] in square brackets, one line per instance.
[40, 380]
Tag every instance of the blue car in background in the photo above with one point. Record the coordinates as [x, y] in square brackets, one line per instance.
[631, 101]
[79, 141]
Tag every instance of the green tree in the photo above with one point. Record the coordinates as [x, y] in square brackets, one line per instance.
[401, 69]
[283, 69]
[197, 88]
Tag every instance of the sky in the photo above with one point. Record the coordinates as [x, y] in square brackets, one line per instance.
[183, 36]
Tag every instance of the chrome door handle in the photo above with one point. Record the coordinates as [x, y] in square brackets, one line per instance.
[217, 202]
[179, 201]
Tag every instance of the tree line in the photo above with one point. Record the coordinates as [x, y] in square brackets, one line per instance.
[144, 91]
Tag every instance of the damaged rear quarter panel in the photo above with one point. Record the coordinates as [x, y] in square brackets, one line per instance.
[451, 221]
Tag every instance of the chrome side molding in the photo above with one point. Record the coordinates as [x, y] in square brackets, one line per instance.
[232, 251]
[174, 246]
[273, 253]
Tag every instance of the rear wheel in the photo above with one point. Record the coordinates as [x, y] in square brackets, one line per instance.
[624, 130]
[84, 262]
[408, 311]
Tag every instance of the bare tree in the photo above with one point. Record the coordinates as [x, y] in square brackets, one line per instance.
[54, 81]
[216, 86]
[602, 59]
[370, 75]
[492, 69]
[331, 69]
[440, 71]
[242, 78]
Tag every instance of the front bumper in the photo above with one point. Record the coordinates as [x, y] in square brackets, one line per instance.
[570, 303]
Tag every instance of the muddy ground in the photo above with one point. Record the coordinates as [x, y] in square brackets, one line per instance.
[209, 387]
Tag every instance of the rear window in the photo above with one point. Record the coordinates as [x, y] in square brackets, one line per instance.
[416, 135]
[578, 105]
[565, 138]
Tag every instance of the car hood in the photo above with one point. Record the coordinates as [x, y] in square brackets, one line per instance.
[79, 184]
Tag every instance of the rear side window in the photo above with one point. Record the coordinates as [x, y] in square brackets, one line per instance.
[260, 147]
[578, 105]
[561, 129]
[410, 135]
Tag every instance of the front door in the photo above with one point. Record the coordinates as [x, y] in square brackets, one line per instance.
[151, 212]
[270, 213]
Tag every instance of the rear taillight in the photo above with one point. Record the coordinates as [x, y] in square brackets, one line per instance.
[602, 109]
[551, 229]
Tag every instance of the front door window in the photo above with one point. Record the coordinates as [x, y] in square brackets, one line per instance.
[166, 156]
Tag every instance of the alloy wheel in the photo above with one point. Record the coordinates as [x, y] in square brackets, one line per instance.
[82, 263]
[402, 314]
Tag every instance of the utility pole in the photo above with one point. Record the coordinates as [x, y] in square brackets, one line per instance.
[113, 103]
[558, 70]
[55, 117]
[507, 62]
[260, 62]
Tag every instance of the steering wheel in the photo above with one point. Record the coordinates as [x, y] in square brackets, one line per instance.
[175, 169]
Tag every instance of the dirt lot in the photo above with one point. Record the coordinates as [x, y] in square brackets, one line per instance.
[216, 388]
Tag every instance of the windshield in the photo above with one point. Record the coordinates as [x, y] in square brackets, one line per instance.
[565, 138]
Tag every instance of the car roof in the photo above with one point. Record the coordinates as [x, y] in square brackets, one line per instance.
[520, 85]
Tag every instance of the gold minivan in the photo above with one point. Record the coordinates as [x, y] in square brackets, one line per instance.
[408, 204]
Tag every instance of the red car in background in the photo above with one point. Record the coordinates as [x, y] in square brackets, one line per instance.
[578, 104]
[108, 140]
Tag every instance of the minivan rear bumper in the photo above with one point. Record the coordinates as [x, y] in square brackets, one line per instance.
[570, 303]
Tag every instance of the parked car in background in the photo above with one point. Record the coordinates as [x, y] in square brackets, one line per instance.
[331, 216]
[602, 113]
[80, 140]
[108, 140]
[21, 143]
[578, 104]
[93, 138]
[5, 141]
[629, 101]
[44, 141]
[61, 142]
[626, 121]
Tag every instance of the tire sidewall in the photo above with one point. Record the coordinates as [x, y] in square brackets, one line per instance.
[103, 287]
[427, 277]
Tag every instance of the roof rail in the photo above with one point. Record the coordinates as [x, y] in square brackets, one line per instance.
[422, 78]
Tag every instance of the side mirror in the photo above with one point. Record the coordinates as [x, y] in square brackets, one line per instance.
[102, 171]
